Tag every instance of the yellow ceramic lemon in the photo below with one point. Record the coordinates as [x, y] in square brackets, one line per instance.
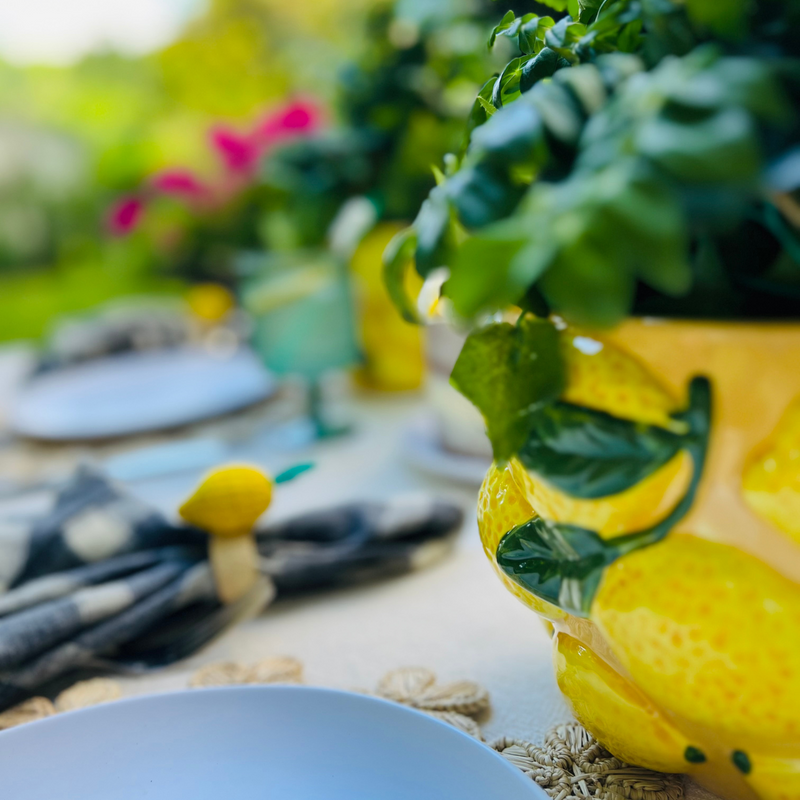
[227, 504]
[687, 657]
[772, 480]
[210, 302]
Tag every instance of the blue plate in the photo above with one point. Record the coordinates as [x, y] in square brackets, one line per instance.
[138, 392]
[253, 743]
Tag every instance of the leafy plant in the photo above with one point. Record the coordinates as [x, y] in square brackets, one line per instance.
[635, 158]
[401, 104]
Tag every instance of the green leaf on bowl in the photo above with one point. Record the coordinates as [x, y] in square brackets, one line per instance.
[563, 564]
[589, 454]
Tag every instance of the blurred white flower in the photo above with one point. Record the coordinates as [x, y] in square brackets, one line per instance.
[63, 31]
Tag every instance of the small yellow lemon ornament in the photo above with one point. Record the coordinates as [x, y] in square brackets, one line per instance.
[210, 302]
[226, 505]
[675, 604]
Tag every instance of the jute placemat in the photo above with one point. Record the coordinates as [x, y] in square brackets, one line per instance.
[569, 764]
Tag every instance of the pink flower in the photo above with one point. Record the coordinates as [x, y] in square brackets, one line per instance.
[180, 183]
[125, 215]
[239, 153]
[299, 118]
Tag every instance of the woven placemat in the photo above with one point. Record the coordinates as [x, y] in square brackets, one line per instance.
[569, 764]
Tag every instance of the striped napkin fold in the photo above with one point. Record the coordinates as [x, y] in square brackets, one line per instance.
[97, 580]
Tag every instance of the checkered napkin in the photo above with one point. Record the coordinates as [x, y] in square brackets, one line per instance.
[98, 580]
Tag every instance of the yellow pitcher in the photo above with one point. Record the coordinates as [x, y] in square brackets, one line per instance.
[688, 658]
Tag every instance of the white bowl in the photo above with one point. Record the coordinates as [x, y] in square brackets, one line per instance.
[253, 743]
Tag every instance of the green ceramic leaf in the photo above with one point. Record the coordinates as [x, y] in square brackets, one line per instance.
[589, 454]
[563, 564]
[506, 371]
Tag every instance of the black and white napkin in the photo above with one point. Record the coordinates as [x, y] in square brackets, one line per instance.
[100, 581]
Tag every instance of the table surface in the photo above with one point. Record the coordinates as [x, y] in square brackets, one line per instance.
[454, 617]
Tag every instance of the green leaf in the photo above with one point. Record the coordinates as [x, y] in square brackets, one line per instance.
[507, 371]
[478, 278]
[588, 9]
[588, 284]
[502, 28]
[482, 110]
[531, 33]
[482, 194]
[486, 106]
[723, 147]
[590, 454]
[514, 134]
[542, 65]
[507, 84]
[432, 226]
[565, 33]
[397, 258]
[556, 5]
[727, 18]
[563, 564]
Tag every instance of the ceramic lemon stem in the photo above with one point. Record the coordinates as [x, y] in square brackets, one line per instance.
[226, 505]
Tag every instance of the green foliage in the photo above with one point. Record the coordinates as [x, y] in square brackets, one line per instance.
[528, 32]
[508, 371]
[401, 104]
[563, 564]
[397, 260]
[625, 162]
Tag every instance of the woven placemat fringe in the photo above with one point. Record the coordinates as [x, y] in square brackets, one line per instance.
[569, 765]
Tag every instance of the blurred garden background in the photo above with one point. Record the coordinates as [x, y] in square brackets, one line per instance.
[144, 147]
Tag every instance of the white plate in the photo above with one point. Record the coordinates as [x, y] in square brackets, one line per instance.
[423, 449]
[138, 392]
[253, 743]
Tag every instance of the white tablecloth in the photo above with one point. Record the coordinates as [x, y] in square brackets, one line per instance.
[454, 618]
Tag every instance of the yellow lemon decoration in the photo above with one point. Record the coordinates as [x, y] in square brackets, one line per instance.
[392, 347]
[682, 616]
[619, 714]
[685, 654]
[638, 507]
[210, 302]
[772, 480]
[600, 375]
[501, 507]
[226, 505]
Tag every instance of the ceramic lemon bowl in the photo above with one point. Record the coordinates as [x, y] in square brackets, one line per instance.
[654, 521]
